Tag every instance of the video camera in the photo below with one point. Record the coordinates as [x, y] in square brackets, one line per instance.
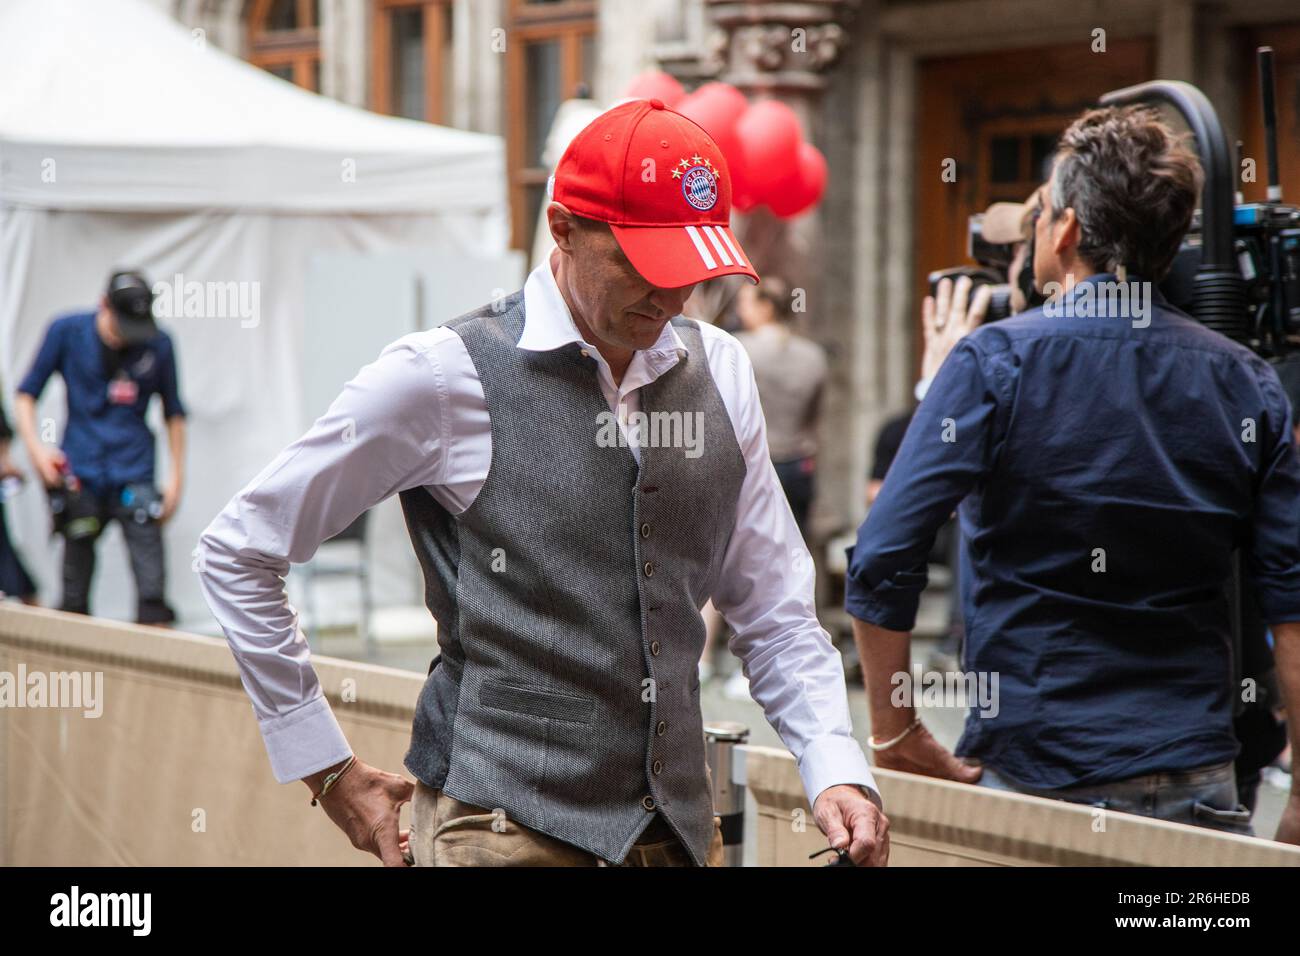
[995, 259]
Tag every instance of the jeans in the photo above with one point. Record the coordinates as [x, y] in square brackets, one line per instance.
[144, 545]
[1204, 797]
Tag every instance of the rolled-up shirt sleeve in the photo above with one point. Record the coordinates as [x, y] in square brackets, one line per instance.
[765, 593]
[1274, 556]
[947, 449]
[173, 407]
[382, 435]
[47, 361]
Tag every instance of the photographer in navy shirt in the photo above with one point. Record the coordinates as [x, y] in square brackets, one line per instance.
[113, 361]
[1109, 453]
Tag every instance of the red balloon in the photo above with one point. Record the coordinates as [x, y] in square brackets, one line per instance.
[804, 190]
[718, 107]
[769, 142]
[655, 85]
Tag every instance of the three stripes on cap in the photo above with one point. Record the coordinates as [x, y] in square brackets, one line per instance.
[714, 233]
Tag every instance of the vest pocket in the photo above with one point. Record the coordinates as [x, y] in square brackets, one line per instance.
[536, 703]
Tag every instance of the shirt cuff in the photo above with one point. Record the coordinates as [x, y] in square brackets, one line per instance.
[1279, 599]
[897, 613]
[833, 760]
[891, 604]
[304, 741]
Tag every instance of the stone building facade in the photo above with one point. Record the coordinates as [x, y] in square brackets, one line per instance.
[889, 89]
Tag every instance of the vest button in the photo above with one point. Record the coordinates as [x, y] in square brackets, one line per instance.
[584, 353]
[649, 569]
[648, 802]
[657, 766]
[645, 530]
[654, 648]
[661, 729]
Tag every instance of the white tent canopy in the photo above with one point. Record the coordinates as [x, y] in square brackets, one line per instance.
[125, 141]
[146, 115]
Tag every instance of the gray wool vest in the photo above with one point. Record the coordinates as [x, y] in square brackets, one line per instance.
[568, 598]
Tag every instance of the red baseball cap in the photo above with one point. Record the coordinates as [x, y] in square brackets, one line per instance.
[662, 184]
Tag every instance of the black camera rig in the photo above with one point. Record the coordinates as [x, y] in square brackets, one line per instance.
[1238, 271]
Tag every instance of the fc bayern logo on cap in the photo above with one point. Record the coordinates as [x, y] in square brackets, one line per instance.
[700, 187]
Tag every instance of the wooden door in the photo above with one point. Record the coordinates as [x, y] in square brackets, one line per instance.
[998, 116]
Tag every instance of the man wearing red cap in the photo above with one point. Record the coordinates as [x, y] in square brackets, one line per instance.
[580, 469]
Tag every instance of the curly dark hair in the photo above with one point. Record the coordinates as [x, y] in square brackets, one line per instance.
[1133, 184]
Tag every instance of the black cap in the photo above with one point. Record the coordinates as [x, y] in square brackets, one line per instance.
[131, 300]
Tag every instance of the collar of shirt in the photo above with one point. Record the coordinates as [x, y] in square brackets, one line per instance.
[549, 325]
[1139, 290]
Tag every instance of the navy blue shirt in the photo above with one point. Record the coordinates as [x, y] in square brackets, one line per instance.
[106, 440]
[1105, 473]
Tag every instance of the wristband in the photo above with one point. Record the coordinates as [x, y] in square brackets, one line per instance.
[871, 741]
[332, 779]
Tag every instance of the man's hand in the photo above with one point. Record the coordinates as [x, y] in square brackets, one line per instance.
[920, 753]
[945, 318]
[171, 498]
[1288, 828]
[852, 822]
[365, 804]
[47, 461]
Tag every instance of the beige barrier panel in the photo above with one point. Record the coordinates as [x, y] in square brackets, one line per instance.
[940, 823]
[173, 770]
[170, 770]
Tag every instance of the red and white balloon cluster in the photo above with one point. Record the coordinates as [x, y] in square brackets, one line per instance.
[770, 162]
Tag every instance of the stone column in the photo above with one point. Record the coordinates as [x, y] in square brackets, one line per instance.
[785, 51]
[479, 65]
[344, 50]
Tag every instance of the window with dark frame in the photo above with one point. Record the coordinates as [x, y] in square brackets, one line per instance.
[411, 59]
[284, 40]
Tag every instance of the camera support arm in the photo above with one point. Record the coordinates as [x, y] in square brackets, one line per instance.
[1220, 294]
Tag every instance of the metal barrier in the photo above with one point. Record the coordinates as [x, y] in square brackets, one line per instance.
[720, 741]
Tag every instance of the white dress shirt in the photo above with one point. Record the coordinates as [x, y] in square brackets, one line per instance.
[416, 418]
